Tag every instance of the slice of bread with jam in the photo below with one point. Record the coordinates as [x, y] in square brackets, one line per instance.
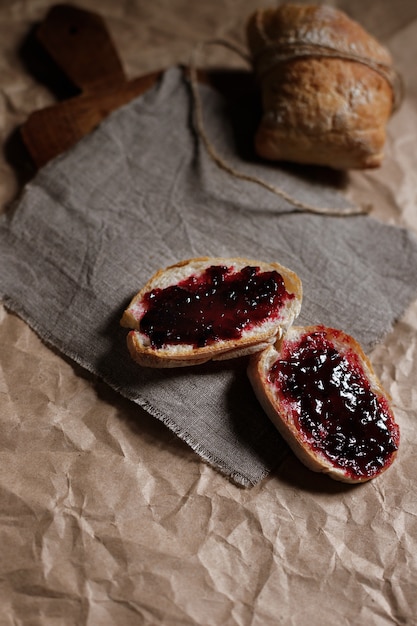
[209, 308]
[321, 392]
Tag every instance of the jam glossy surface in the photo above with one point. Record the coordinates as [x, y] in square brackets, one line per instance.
[218, 304]
[337, 412]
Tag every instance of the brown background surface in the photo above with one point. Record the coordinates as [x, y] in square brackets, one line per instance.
[105, 516]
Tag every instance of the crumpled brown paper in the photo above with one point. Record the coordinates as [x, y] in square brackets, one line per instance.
[105, 516]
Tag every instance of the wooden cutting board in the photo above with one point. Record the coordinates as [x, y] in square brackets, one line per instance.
[80, 44]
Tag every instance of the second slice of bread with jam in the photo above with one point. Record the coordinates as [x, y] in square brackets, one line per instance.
[321, 392]
[210, 308]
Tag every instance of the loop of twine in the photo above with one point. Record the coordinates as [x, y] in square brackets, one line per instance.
[219, 160]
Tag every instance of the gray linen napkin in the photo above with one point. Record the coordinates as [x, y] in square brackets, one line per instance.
[140, 193]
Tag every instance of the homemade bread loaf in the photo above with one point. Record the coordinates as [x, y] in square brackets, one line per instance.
[210, 308]
[319, 389]
[327, 87]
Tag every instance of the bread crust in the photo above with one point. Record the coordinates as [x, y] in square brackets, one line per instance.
[258, 372]
[182, 355]
[323, 111]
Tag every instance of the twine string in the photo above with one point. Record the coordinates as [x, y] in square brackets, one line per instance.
[227, 167]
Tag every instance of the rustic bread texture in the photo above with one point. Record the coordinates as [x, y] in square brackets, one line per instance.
[319, 110]
[281, 413]
[179, 355]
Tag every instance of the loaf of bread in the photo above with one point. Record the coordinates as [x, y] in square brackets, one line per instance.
[321, 392]
[327, 87]
[210, 308]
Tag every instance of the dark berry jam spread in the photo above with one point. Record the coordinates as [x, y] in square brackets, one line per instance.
[218, 304]
[336, 411]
